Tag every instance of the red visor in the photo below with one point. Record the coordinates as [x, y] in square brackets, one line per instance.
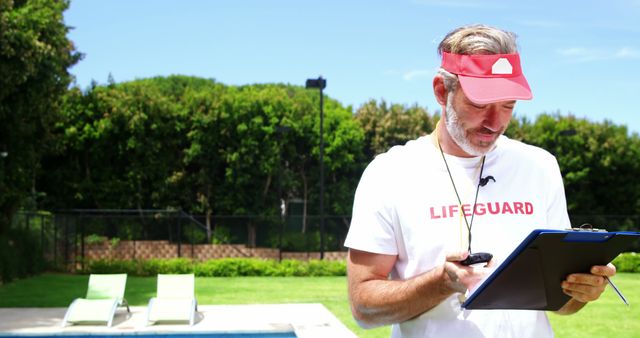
[488, 78]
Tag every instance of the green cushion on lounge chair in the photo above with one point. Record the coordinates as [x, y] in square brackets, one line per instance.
[175, 301]
[92, 310]
[106, 286]
[104, 294]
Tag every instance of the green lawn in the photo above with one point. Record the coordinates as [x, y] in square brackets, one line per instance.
[608, 317]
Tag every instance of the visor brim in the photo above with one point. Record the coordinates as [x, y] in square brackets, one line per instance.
[484, 90]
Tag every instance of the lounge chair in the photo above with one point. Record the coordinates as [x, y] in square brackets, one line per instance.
[175, 301]
[104, 294]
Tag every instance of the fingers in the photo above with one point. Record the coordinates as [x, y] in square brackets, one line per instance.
[457, 256]
[587, 287]
[584, 287]
[582, 293]
[608, 270]
[454, 282]
[586, 279]
[462, 278]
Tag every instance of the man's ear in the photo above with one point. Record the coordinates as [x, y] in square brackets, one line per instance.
[439, 90]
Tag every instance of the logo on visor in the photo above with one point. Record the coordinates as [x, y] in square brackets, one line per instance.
[502, 66]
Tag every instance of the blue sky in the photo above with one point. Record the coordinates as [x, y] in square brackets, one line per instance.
[580, 57]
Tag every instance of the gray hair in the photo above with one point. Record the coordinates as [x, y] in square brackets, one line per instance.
[474, 39]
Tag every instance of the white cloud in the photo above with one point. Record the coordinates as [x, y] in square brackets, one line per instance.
[572, 51]
[416, 74]
[471, 4]
[540, 23]
[627, 53]
[581, 54]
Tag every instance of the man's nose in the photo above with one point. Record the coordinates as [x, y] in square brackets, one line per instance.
[492, 118]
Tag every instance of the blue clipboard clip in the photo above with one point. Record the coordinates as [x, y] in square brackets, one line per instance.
[586, 227]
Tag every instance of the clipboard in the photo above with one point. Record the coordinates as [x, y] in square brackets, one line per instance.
[530, 278]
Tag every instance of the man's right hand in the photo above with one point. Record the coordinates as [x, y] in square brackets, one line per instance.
[377, 300]
[460, 277]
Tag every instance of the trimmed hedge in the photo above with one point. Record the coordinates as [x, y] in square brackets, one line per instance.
[627, 262]
[226, 267]
[237, 267]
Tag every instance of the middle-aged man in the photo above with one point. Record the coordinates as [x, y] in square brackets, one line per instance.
[421, 208]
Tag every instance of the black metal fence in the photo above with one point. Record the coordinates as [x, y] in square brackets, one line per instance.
[64, 235]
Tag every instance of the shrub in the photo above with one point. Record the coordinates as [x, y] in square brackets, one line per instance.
[165, 266]
[627, 262]
[94, 239]
[112, 266]
[327, 268]
[234, 267]
[149, 267]
[292, 267]
[225, 267]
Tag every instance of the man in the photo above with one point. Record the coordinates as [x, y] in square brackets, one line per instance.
[421, 208]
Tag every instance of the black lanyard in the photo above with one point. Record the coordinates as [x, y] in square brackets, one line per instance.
[473, 212]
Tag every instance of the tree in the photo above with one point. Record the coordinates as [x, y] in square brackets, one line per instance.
[35, 55]
[388, 125]
[261, 160]
[204, 157]
[598, 161]
[191, 143]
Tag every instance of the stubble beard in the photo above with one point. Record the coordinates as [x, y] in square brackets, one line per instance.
[457, 132]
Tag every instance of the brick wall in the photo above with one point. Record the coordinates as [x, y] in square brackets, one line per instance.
[200, 252]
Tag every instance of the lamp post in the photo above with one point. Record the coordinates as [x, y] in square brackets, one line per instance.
[282, 131]
[3, 154]
[320, 83]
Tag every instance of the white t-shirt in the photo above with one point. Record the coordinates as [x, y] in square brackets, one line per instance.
[405, 205]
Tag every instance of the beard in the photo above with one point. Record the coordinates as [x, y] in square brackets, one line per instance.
[458, 134]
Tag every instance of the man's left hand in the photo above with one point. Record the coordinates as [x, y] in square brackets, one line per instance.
[585, 287]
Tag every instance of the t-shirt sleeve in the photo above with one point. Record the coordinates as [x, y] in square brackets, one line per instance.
[372, 221]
